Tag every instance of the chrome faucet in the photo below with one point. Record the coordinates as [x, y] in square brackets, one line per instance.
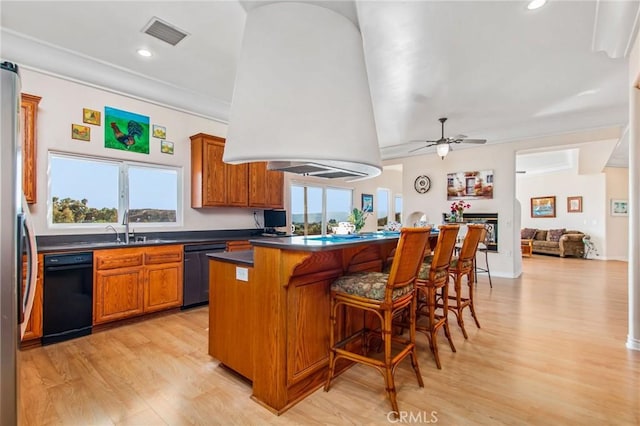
[114, 230]
[125, 222]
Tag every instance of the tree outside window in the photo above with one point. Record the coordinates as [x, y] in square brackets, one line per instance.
[88, 191]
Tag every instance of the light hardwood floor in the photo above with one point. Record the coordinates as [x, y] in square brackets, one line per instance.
[551, 351]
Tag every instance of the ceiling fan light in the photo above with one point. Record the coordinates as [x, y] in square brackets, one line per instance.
[536, 4]
[442, 149]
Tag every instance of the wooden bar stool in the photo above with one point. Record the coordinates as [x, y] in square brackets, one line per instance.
[462, 266]
[384, 295]
[432, 279]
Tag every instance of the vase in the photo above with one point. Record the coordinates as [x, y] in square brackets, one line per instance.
[460, 217]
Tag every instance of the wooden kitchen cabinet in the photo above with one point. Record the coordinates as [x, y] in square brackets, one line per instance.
[28, 121]
[34, 326]
[265, 187]
[163, 270]
[133, 281]
[213, 182]
[117, 294]
[217, 184]
[118, 284]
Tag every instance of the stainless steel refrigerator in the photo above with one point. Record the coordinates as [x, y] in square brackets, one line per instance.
[17, 242]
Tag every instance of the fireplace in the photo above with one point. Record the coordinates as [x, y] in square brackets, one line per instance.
[491, 223]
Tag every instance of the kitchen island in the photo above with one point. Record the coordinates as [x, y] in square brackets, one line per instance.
[269, 317]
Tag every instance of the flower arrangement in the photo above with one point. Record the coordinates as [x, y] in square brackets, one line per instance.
[457, 210]
[358, 218]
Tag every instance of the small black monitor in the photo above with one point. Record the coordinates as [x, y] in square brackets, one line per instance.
[275, 218]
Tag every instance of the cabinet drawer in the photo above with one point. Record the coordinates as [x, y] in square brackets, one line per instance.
[119, 260]
[163, 255]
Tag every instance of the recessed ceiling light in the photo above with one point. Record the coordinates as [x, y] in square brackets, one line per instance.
[144, 52]
[536, 4]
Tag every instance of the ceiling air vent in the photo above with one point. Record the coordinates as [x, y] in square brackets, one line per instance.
[314, 169]
[164, 31]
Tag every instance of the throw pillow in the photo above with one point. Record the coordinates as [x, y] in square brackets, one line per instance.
[527, 233]
[555, 234]
[541, 235]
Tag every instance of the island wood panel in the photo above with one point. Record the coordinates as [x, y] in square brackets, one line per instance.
[292, 291]
[308, 306]
[365, 258]
[272, 270]
[230, 327]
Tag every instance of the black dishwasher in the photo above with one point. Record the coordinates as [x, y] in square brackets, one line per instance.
[195, 290]
[67, 297]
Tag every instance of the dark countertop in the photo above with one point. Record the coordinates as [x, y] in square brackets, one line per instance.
[89, 242]
[244, 257]
[328, 242]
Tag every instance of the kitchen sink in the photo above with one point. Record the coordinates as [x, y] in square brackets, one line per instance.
[90, 244]
[153, 241]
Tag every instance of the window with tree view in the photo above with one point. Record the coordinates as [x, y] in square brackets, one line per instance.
[314, 208]
[95, 191]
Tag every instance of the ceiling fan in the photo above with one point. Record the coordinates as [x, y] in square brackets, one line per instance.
[443, 144]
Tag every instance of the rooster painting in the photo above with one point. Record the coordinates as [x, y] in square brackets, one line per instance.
[133, 129]
[126, 130]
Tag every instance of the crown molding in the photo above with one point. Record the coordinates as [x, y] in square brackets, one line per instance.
[50, 59]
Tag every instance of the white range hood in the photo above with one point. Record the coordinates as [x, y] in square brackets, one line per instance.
[301, 99]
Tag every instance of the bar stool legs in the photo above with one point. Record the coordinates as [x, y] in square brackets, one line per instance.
[485, 269]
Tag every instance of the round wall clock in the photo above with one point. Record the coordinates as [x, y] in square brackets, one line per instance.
[422, 184]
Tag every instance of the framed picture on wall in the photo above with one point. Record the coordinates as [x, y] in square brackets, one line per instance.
[619, 207]
[543, 206]
[80, 132]
[574, 204]
[367, 203]
[474, 185]
[90, 116]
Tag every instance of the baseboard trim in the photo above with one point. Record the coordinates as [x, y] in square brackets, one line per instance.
[619, 258]
[633, 344]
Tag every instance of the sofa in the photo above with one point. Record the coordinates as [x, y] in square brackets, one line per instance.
[559, 242]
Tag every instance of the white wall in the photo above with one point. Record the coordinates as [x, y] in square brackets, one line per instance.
[617, 227]
[61, 105]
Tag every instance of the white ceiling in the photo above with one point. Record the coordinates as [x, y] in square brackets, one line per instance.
[496, 70]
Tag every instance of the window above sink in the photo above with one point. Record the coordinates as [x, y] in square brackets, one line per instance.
[94, 192]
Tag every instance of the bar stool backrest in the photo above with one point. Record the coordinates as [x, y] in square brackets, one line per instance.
[443, 252]
[408, 258]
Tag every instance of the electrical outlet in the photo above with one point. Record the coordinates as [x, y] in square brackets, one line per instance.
[242, 274]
